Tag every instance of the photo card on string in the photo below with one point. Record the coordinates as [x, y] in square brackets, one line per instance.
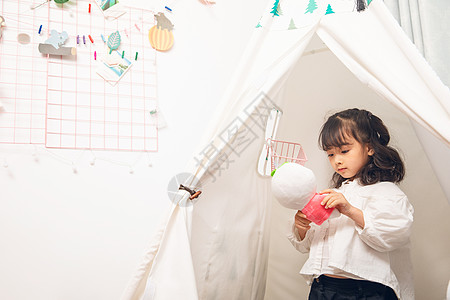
[111, 8]
[113, 67]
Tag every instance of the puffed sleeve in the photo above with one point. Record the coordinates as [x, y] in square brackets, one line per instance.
[388, 218]
[301, 245]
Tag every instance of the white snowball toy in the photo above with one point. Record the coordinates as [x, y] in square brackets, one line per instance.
[294, 186]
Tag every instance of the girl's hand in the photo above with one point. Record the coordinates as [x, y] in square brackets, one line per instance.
[302, 224]
[337, 200]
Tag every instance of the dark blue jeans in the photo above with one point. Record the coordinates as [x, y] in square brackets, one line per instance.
[329, 288]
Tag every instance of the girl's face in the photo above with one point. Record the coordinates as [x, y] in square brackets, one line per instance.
[349, 158]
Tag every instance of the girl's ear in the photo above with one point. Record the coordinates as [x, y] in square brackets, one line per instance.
[370, 150]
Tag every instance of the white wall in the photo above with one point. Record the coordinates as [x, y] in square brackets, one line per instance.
[80, 236]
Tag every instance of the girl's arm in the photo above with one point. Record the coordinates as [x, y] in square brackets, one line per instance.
[385, 221]
[388, 222]
[355, 214]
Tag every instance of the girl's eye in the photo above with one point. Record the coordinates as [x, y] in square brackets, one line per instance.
[345, 151]
[330, 155]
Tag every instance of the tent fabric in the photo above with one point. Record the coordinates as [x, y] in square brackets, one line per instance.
[395, 70]
[169, 250]
[224, 250]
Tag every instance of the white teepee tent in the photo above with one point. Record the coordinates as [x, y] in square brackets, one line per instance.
[300, 66]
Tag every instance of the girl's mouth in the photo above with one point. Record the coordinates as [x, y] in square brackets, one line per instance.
[341, 169]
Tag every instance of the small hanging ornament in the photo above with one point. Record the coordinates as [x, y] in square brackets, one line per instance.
[208, 2]
[312, 6]
[23, 38]
[276, 8]
[329, 10]
[113, 41]
[292, 25]
[160, 35]
[54, 45]
[2, 24]
[360, 5]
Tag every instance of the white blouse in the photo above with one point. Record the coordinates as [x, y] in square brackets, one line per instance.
[380, 252]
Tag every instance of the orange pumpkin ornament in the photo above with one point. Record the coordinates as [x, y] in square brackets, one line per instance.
[160, 35]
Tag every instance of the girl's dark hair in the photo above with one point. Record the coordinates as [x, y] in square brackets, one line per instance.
[384, 165]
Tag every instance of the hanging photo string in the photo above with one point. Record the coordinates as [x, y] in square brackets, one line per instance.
[36, 6]
[39, 30]
[72, 163]
[310, 9]
[22, 38]
[131, 167]
[75, 163]
[85, 38]
[113, 41]
[32, 7]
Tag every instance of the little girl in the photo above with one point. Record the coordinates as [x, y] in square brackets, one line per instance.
[364, 253]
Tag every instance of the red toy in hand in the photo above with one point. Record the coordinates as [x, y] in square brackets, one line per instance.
[294, 186]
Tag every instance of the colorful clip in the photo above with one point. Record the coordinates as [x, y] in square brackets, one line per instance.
[169, 9]
[135, 58]
[40, 28]
[89, 8]
[78, 39]
[90, 37]
[103, 38]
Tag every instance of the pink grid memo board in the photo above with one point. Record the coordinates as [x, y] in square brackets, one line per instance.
[61, 101]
